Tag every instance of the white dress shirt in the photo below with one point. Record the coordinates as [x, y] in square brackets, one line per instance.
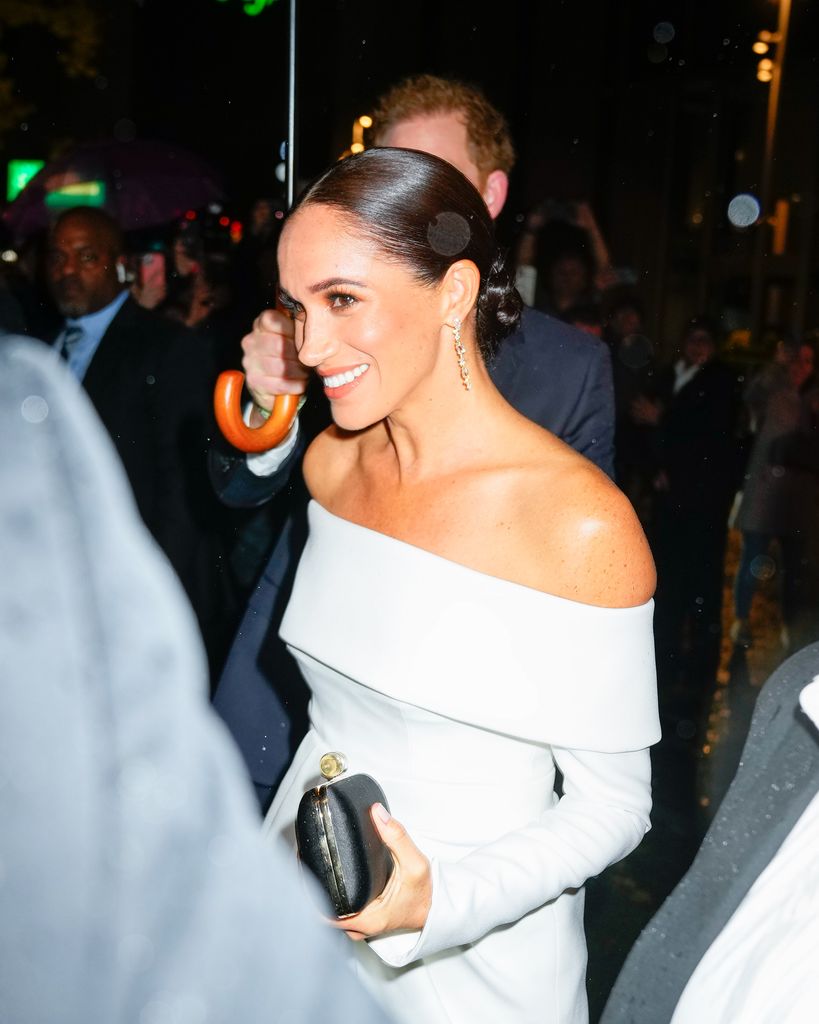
[94, 325]
[763, 967]
[683, 373]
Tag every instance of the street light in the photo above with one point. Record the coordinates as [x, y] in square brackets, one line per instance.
[769, 71]
[765, 70]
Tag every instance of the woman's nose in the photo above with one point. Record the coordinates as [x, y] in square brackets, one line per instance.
[316, 347]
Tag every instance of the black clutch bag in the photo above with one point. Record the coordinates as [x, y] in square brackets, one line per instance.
[337, 840]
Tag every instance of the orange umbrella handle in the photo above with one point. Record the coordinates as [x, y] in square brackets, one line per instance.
[227, 405]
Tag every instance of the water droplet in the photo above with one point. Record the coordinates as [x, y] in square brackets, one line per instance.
[635, 351]
[743, 210]
[125, 130]
[664, 32]
[448, 234]
[34, 409]
[763, 567]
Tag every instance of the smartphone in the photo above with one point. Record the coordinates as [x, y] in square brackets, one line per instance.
[151, 283]
[152, 270]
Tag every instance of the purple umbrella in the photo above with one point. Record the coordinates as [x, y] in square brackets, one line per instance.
[141, 183]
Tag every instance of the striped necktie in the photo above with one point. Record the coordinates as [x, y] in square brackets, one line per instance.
[72, 336]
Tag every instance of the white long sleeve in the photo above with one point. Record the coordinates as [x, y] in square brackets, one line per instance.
[602, 816]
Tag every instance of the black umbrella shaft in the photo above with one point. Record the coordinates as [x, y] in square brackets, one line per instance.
[290, 163]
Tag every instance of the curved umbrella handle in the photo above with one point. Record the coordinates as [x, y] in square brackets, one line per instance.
[227, 406]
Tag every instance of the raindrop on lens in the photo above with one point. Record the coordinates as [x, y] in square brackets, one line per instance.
[125, 130]
[635, 351]
[448, 234]
[657, 53]
[763, 567]
[685, 729]
[34, 409]
[744, 210]
[663, 32]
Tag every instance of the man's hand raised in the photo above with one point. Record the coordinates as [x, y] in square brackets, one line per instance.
[270, 362]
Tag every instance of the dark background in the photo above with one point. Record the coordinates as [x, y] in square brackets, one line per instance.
[657, 139]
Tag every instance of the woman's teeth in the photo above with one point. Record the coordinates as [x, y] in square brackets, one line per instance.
[337, 379]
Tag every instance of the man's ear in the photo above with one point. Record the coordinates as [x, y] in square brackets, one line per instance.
[495, 191]
[459, 290]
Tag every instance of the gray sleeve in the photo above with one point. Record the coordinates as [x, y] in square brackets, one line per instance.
[135, 884]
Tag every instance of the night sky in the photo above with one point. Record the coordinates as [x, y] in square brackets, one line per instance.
[203, 73]
[657, 136]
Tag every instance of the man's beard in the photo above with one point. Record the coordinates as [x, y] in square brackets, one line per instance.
[72, 306]
[72, 310]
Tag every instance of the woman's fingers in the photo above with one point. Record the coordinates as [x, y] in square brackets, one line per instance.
[406, 899]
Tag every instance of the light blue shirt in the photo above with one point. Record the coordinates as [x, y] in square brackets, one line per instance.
[94, 326]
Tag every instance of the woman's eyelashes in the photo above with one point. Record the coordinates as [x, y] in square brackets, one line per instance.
[290, 307]
[335, 301]
[341, 300]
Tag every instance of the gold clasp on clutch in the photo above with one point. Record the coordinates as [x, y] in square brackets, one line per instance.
[332, 765]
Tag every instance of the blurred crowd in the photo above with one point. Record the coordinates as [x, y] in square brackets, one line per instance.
[709, 437]
[197, 284]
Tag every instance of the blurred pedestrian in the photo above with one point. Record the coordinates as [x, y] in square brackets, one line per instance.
[695, 417]
[780, 502]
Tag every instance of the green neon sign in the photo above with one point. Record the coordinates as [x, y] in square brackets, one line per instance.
[83, 193]
[253, 7]
[20, 173]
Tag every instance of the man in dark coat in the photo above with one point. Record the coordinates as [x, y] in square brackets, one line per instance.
[149, 380]
[557, 376]
[698, 459]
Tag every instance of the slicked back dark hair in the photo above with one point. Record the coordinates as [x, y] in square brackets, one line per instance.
[424, 215]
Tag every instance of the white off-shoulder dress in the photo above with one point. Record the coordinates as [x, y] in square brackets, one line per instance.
[460, 692]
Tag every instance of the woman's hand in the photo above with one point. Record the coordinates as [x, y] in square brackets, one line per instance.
[407, 897]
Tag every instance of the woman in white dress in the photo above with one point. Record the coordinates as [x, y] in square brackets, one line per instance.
[472, 610]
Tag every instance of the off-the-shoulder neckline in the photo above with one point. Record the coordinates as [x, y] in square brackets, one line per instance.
[477, 573]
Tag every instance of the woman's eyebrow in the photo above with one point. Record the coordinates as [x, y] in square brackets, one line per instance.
[334, 282]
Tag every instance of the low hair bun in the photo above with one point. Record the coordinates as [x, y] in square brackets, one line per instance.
[499, 305]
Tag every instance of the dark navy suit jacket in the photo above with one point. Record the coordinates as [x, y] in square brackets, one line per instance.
[552, 373]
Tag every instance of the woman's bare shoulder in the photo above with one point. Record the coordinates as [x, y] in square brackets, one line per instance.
[592, 546]
[328, 459]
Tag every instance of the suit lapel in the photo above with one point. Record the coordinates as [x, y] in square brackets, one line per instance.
[111, 365]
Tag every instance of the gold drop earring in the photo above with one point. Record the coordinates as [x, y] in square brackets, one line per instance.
[460, 352]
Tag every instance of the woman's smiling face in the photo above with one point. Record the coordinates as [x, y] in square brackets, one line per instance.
[367, 326]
